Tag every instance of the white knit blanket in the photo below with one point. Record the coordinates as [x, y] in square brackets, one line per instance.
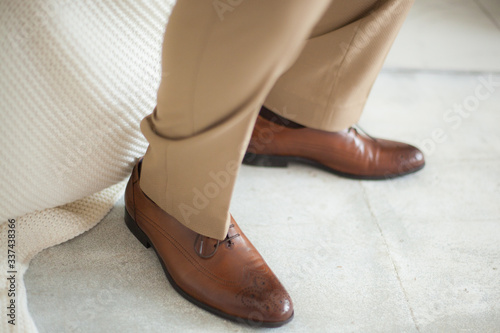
[76, 77]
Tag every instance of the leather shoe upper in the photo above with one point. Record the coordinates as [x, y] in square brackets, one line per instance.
[349, 152]
[228, 277]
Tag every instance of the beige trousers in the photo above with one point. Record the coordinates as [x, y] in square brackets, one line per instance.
[312, 61]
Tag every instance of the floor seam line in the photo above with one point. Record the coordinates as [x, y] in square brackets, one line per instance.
[374, 218]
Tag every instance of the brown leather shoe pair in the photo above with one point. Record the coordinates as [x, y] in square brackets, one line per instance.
[277, 141]
[228, 278]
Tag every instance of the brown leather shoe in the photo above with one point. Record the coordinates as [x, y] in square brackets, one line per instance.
[276, 141]
[228, 278]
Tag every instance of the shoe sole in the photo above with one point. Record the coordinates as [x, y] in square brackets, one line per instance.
[283, 161]
[144, 239]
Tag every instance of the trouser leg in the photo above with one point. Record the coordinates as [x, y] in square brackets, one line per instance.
[327, 87]
[220, 59]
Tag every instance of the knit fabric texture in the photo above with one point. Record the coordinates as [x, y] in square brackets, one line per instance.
[76, 78]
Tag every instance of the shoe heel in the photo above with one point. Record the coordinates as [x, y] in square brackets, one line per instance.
[265, 160]
[136, 231]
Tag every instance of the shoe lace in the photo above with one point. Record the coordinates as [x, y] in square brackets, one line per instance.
[358, 128]
[199, 250]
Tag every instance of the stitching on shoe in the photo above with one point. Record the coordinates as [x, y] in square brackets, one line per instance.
[184, 252]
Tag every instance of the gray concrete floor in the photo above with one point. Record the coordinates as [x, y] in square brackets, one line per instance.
[415, 254]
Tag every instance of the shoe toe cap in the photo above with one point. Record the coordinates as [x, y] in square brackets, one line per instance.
[410, 158]
[266, 301]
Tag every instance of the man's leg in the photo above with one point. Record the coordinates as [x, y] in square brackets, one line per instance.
[220, 59]
[325, 91]
[328, 85]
